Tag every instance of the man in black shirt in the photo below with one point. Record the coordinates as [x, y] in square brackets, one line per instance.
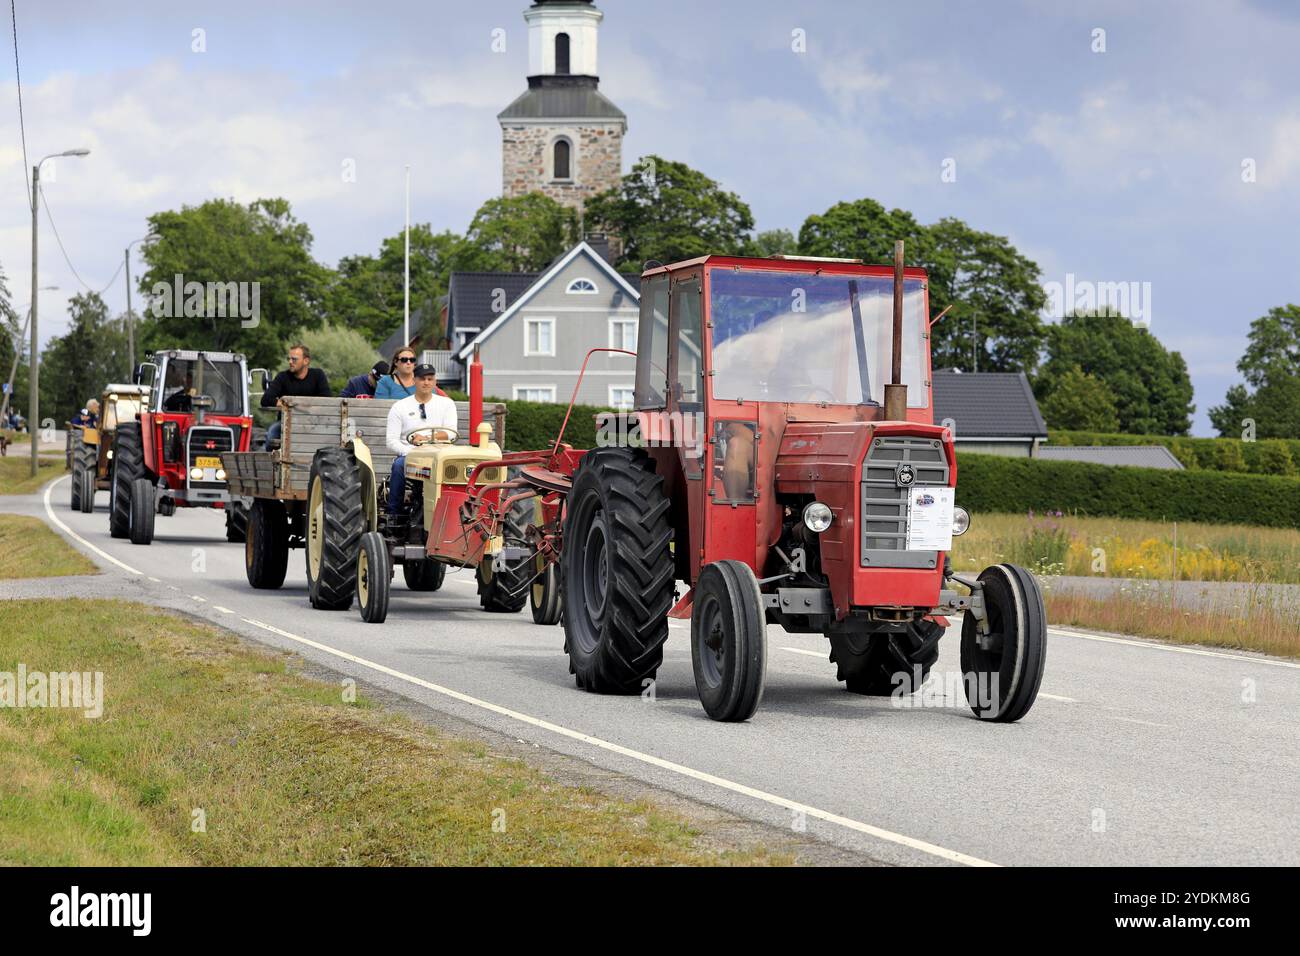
[299, 379]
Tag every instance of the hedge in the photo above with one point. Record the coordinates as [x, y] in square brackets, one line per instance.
[1268, 456]
[993, 483]
[531, 426]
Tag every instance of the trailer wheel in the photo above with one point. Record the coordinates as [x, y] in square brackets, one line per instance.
[729, 641]
[266, 544]
[426, 575]
[143, 509]
[236, 522]
[1002, 675]
[617, 571]
[505, 591]
[335, 521]
[374, 577]
[86, 497]
[883, 664]
[128, 465]
[544, 597]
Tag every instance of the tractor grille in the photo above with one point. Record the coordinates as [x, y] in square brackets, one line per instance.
[884, 503]
[207, 441]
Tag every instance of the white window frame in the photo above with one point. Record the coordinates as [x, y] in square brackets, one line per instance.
[614, 322]
[529, 321]
[631, 399]
[594, 290]
[533, 388]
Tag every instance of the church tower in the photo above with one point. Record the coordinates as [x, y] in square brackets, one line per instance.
[562, 137]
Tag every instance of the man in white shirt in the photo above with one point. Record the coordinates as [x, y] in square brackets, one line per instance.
[423, 410]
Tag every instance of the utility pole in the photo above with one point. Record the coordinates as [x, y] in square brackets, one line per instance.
[34, 378]
[130, 325]
[974, 346]
[406, 266]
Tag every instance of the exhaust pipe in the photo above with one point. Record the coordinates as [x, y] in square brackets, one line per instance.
[895, 390]
[475, 397]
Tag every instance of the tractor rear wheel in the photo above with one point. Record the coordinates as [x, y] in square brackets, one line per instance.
[1002, 671]
[729, 641]
[882, 664]
[236, 522]
[374, 577]
[423, 575]
[544, 596]
[128, 465]
[505, 591]
[143, 510]
[335, 521]
[86, 497]
[617, 571]
[266, 544]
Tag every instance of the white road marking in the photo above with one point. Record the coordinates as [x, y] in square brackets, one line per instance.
[197, 598]
[800, 650]
[1064, 700]
[68, 531]
[156, 580]
[951, 856]
[1174, 649]
[223, 610]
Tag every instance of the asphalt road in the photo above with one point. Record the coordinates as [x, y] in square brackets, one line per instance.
[1135, 754]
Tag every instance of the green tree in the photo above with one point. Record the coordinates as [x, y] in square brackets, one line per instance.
[774, 242]
[339, 351]
[1228, 456]
[516, 234]
[1275, 459]
[1079, 401]
[667, 211]
[992, 288]
[77, 365]
[1149, 384]
[1270, 397]
[221, 242]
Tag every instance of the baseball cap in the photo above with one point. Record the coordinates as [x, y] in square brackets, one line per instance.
[380, 368]
[425, 369]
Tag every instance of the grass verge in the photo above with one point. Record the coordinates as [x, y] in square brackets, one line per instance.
[15, 473]
[30, 549]
[282, 770]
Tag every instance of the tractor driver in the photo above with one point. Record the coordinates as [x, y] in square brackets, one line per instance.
[413, 421]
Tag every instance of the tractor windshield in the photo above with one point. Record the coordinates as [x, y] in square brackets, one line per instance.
[221, 381]
[803, 337]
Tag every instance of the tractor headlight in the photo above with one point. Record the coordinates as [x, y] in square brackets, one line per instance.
[221, 474]
[960, 520]
[196, 474]
[817, 517]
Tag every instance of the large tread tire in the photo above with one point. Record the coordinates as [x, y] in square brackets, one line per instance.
[266, 544]
[426, 575]
[617, 571]
[86, 497]
[374, 577]
[1013, 602]
[144, 509]
[884, 664]
[506, 591]
[74, 489]
[729, 641]
[128, 465]
[336, 516]
[236, 522]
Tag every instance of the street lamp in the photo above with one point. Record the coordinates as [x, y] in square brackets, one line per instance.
[18, 351]
[33, 419]
[130, 324]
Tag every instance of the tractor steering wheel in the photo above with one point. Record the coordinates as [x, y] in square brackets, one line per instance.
[428, 432]
[813, 388]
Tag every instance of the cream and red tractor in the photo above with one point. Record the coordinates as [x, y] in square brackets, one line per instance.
[782, 460]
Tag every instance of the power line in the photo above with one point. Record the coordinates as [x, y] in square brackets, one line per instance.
[50, 217]
[22, 129]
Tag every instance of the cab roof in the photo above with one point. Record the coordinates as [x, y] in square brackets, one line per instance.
[797, 265]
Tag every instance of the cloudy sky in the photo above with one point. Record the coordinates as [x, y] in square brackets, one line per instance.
[1127, 165]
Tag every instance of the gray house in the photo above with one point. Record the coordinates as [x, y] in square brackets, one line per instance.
[534, 349]
[991, 413]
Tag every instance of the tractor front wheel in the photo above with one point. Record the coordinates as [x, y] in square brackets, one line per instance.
[883, 664]
[426, 575]
[544, 596]
[335, 521]
[128, 465]
[504, 590]
[266, 544]
[617, 571]
[236, 522]
[374, 577]
[143, 510]
[86, 497]
[729, 641]
[1003, 668]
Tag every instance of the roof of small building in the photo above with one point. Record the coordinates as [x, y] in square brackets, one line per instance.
[987, 405]
[475, 301]
[1133, 456]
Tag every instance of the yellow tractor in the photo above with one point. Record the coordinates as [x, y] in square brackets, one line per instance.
[92, 448]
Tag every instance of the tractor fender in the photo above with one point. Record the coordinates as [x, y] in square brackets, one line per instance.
[90, 436]
[369, 487]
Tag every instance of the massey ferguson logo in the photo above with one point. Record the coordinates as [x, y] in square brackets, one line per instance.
[905, 476]
[209, 444]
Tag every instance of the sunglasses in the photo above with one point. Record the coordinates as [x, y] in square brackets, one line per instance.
[407, 359]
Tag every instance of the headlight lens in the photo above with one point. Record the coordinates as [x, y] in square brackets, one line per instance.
[196, 473]
[817, 517]
[960, 520]
[221, 474]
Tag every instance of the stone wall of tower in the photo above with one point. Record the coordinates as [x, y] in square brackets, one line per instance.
[526, 153]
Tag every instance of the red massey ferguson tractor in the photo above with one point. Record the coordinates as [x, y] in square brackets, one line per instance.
[782, 460]
[170, 456]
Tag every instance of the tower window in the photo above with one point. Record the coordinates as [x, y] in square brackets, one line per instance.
[561, 53]
[562, 166]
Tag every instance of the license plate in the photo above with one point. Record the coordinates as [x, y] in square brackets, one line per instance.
[207, 461]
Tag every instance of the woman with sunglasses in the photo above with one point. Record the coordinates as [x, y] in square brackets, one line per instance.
[400, 382]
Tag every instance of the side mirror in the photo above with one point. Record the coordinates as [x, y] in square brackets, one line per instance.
[145, 373]
[258, 379]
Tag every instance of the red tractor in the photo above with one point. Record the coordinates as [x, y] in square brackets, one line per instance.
[170, 456]
[783, 461]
